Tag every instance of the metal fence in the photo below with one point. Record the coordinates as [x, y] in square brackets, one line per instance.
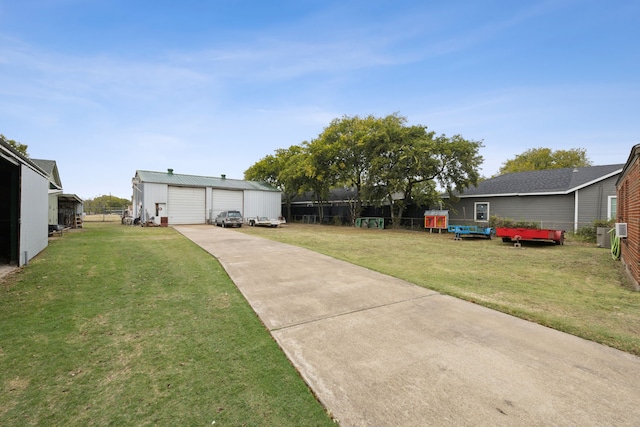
[102, 217]
[418, 223]
[408, 223]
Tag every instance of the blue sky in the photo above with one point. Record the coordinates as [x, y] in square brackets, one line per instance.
[107, 87]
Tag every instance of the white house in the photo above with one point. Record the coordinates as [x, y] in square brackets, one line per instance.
[167, 198]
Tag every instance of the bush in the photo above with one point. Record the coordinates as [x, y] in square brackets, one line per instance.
[588, 233]
[499, 222]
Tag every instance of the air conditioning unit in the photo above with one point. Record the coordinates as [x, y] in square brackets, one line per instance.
[621, 229]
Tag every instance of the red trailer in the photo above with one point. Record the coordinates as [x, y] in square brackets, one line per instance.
[519, 234]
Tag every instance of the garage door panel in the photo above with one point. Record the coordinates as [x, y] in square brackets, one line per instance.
[226, 200]
[186, 205]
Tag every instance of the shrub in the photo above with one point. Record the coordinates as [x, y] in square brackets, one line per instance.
[499, 222]
[588, 233]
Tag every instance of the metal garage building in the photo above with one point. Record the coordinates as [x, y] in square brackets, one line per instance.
[24, 228]
[173, 199]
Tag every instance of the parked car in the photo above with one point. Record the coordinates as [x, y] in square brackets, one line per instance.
[229, 219]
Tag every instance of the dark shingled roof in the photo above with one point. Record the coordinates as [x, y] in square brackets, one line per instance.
[335, 195]
[551, 181]
[51, 168]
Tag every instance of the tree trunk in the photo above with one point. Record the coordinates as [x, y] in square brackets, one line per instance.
[320, 208]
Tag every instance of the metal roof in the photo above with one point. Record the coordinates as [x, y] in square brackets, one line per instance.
[201, 181]
[70, 198]
[550, 181]
[7, 149]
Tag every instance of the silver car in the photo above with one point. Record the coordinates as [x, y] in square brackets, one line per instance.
[229, 219]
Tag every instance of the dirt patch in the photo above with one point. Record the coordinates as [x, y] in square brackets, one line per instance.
[5, 270]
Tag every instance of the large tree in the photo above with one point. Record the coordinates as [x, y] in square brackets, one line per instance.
[409, 161]
[21, 148]
[344, 150]
[105, 202]
[545, 158]
[381, 158]
[286, 170]
[319, 173]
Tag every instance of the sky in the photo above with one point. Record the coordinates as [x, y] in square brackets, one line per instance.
[108, 87]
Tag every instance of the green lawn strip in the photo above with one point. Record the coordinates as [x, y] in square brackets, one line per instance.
[117, 325]
[575, 288]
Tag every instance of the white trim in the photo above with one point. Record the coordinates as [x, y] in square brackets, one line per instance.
[602, 178]
[576, 212]
[609, 214]
[475, 211]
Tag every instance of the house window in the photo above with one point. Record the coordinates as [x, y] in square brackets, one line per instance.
[612, 207]
[481, 211]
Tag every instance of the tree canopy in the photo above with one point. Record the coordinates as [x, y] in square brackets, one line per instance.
[545, 158]
[105, 202]
[21, 148]
[381, 158]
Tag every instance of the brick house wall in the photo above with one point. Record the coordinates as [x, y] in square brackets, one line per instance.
[628, 193]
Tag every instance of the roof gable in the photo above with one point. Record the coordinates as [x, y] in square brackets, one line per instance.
[551, 181]
[171, 178]
[51, 168]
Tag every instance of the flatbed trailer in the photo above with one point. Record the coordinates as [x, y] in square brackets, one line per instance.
[470, 230]
[530, 234]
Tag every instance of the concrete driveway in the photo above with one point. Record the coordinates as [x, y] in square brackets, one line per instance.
[378, 351]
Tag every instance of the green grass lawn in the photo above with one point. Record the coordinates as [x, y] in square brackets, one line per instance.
[124, 326]
[576, 288]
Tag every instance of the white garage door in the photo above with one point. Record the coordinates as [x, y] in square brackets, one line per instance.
[226, 200]
[186, 205]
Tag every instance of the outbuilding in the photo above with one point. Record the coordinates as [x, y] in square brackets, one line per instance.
[65, 210]
[167, 198]
[24, 230]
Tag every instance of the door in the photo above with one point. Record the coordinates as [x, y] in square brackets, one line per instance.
[186, 205]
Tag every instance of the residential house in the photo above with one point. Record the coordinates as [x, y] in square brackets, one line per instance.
[564, 199]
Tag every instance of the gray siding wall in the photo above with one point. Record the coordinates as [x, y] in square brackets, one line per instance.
[593, 201]
[555, 212]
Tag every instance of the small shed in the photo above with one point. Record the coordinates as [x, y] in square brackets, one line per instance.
[24, 187]
[436, 219]
[168, 198]
[64, 209]
[55, 186]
